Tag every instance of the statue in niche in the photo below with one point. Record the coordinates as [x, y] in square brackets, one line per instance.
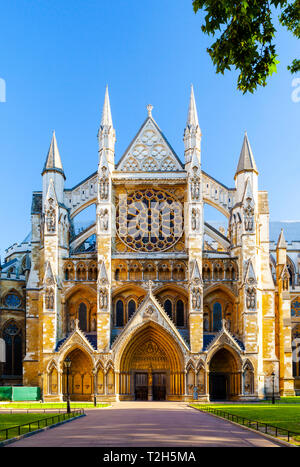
[248, 379]
[195, 219]
[251, 298]
[71, 324]
[205, 324]
[228, 323]
[103, 299]
[249, 216]
[49, 298]
[195, 185]
[51, 217]
[286, 281]
[196, 299]
[94, 324]
[103, 219]
[103, 185]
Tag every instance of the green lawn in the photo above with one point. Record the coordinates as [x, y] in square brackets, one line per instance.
[279, 415]
[47, 405]
[284, 400]
[10, 421]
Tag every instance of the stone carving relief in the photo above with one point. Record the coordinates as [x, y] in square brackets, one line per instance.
[51, 216]
[150, 313]
[195, 186]
[49, 298]
[104, 185]
[195, 220]
[103, 218]
[150, 355]
[249, 215]
[196, 298]
[251, 298]
[103, 299]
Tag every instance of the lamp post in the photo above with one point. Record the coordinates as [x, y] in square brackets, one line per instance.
[67, 364]
[273, 390]
[95, 389]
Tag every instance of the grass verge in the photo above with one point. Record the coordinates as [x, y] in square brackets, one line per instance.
[13, 425]
[280, 416]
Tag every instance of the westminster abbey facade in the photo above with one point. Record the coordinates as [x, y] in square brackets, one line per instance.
[150, 301]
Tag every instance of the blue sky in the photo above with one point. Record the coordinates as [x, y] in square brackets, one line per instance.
[56, 58]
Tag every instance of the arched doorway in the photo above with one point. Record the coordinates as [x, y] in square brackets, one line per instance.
[81, 382]
[151, 366]
[224, 376]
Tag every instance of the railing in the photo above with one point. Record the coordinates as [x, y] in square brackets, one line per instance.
[257, 425]
[30, 410]
[18, 430]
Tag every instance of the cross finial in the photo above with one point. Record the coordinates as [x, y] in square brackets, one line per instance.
[149, 285]
[149, 108]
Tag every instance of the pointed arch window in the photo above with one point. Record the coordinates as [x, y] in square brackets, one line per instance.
[168, 308]
[179, 313]
[217, 317]
[82, 317]
[131, 308]
[13, 349]
[119, 313]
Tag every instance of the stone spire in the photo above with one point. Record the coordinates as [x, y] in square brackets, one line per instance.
[246, 161]
[192, 119]
[281, 240]
[106, 119]
[53, 160]
[192, 133]
[107, 134]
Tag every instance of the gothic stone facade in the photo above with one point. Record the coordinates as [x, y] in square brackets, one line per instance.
[150, 301]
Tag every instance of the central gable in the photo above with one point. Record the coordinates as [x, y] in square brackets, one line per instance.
[149, 152]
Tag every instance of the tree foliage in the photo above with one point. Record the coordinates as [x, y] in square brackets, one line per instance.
[246, 36]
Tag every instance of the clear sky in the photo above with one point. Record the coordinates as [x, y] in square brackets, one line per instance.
[56, 57]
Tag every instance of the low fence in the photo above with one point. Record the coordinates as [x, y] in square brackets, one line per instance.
[18, 430]
[257, 425]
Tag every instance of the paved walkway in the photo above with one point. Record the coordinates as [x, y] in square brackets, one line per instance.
[155, 424]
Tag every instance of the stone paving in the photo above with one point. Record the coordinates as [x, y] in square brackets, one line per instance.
[148, 424]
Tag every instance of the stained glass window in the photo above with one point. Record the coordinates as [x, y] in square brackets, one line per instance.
[13, 350]
[217, 317]
[12, 300]
[295, 308]
[149, 220]
[119, 313]
[131, 308]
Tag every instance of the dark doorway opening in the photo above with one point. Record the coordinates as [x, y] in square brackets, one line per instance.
[159, 386]
[141, 386]
[218, 386]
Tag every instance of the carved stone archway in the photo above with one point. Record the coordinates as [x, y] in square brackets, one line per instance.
[224, 375]
[151, 366]
[81, 380]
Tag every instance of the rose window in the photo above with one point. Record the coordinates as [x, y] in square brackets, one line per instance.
[149, 220]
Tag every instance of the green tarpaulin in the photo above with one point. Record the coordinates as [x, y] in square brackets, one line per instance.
[5, 393]
[20, 393]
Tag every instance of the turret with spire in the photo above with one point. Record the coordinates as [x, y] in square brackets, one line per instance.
[194, 240]
[53, 169]
[246, 170]
[104, 224]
